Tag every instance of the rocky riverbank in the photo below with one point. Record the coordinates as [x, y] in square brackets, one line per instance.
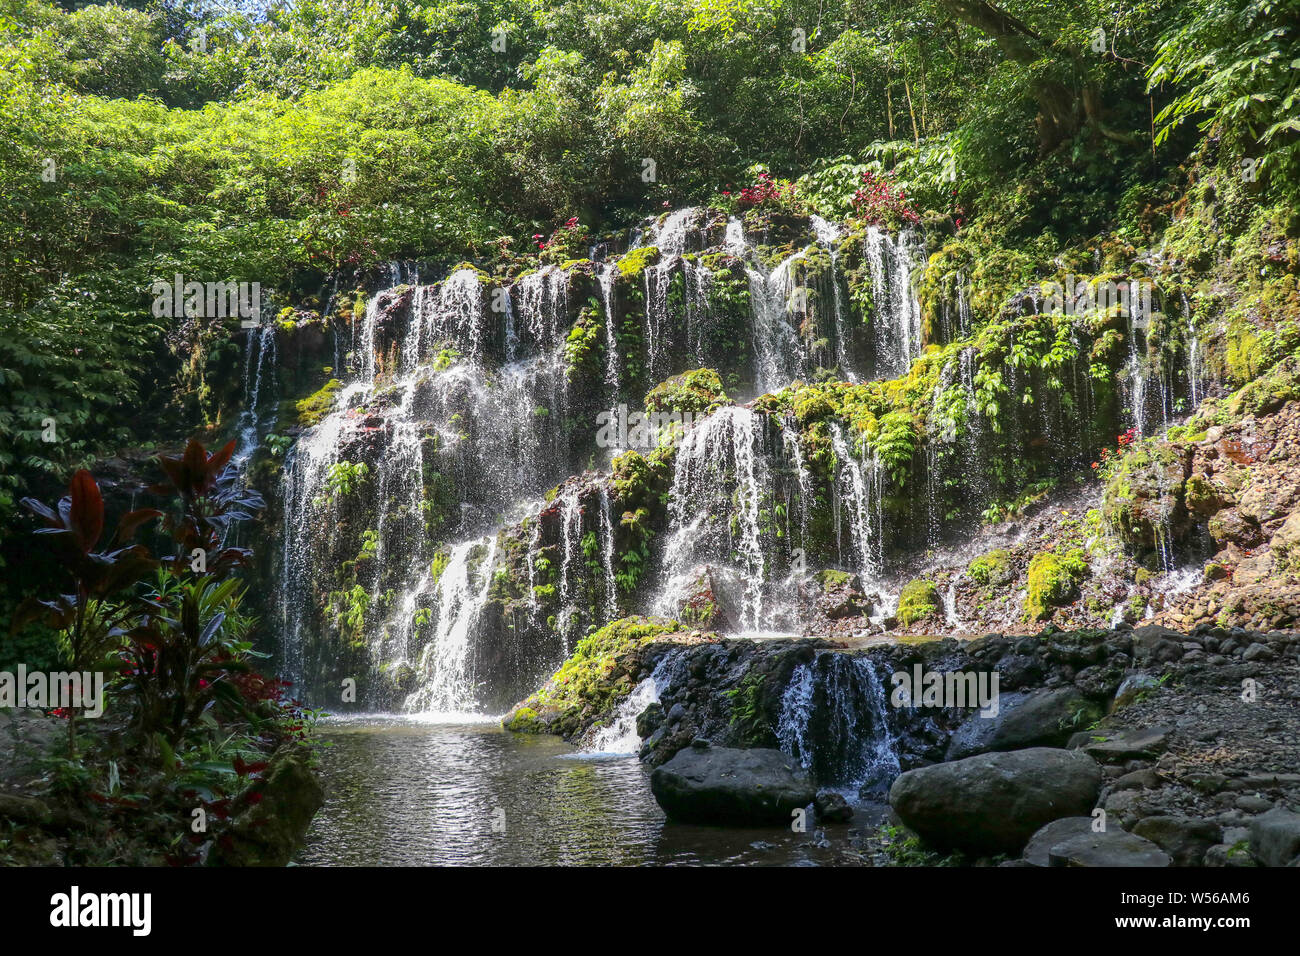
[1182, 745]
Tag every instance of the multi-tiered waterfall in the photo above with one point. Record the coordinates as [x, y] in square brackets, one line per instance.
[454, 524]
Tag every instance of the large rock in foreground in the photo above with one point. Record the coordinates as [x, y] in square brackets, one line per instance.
[993, 803]
[729, 787]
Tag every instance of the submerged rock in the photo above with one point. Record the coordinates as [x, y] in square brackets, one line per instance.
[730, 787]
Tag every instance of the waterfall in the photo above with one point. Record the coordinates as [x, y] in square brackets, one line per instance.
[828, 236]
[607, 553]
[447, 686]
[720, 473]
[835, 720]
[861, 485]
[261, 369]
[896, 311]
[605, 282]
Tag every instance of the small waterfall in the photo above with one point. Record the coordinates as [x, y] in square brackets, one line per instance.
[828, 236]
[605, 282]
[720, 475]
[896, 311]
[607, 553]
[861, 487]
[261, 375]
[835, 720]
[620, 736]
[445, 662]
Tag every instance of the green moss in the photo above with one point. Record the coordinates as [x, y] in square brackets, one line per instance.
[919, 599]
[1053, 581]
[634, 263]
[592, 682]
[832, 580]
[698, 391]
[992, 568]
[313, 409]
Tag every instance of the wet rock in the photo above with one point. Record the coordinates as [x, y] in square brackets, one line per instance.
[1144, 779]
[993, 803]
[731, 787]
[832, 807]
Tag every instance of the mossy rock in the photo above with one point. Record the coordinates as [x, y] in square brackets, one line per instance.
[992, 569]
[919, 599]
[592, 682]
[698, 391]
[1053, 581]
[313, 409]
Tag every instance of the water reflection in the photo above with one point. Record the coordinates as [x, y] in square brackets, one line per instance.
[402, 791]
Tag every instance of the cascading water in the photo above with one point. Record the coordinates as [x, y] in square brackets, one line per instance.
[835, 720]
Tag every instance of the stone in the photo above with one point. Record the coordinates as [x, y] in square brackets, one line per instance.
[731, 787]
[1053, 833]
[994, 802]
[1042, 718]
[1111, 848]
[1275, 837]
[1185, 839]
[832, 807]
[1258, 652]
[1126, 744]
[1144, 779]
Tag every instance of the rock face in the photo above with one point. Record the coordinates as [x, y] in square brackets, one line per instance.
[728, 787]
[993, 803]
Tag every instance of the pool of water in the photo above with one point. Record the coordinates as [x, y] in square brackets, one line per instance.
[412, 791]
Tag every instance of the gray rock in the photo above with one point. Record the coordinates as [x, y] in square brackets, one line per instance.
[731, 787]
[1144, 779]
[1258, 652]
[831, 807]
[1112, 848]
[993, 803]
[1055, 832]
[1275, 837]
[1253, 804]
[1120, 745]
[1041, 718]
[1185, 839]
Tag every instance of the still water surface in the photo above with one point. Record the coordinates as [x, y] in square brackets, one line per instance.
[413, 791]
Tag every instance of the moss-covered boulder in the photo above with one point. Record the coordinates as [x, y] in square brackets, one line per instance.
[1053, 581]
[595, 679]
[993, 569]
[1144, 497]
[919, 599]
[312, 409]
[698, 391]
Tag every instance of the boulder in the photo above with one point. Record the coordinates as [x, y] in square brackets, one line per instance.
[832, 807]
[1058, 831]
[1111, 848]
[1120, 746]
[1041, 718]
[1185, 839]
[994, 802]
[1275, 837]
[731, 787]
